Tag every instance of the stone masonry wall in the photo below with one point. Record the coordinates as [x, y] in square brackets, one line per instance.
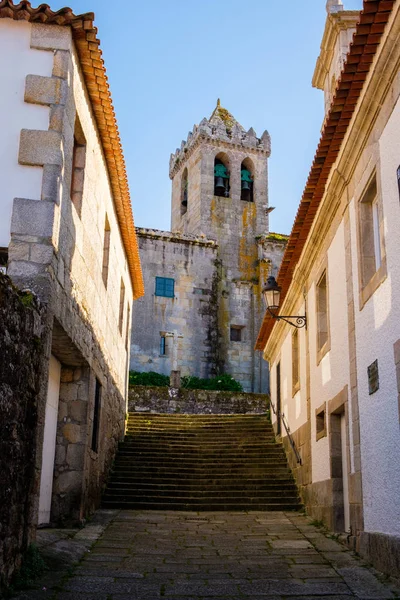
[168, 400]
[22, 369]
[192, 313]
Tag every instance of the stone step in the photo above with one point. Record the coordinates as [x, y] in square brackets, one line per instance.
[259, 484]
[197, 507]
[207, 462]
[183, 476]
[205, 500]
[202, 455]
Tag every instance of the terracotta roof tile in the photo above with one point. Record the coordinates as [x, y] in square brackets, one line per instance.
[373, 19]
[90, 57]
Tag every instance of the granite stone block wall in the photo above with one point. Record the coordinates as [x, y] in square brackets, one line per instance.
[23, 367]
[192, 314]
[167, 400]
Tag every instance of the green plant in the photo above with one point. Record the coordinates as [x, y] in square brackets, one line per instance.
[151, 378]
[220, 383]
[317, 523]
[32, 567]
[27, 298]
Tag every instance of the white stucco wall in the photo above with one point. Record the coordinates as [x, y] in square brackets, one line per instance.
[330, 376]
[294, 407]
[18, 61]
[377, 329]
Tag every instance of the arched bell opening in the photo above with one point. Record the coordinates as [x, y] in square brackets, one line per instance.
[184, 192]
[247, 181]
[221, 176]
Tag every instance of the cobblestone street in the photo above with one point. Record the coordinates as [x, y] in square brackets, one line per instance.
[147, 555]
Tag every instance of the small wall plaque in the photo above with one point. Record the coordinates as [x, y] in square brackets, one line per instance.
[373, 377]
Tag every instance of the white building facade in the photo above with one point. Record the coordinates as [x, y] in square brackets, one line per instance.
[67, 234]
[335, 383]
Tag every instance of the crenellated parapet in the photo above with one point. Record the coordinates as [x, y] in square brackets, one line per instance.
[220, 127]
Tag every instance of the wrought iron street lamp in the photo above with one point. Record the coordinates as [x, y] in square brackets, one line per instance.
[272, 295]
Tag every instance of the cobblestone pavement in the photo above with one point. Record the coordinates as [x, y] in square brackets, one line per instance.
[146, 555]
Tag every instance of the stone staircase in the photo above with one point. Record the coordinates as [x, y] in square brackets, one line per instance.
[200, 462]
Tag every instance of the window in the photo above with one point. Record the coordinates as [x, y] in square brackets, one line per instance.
[3, 260]
[163, 348]
[246, 181]
[221, 176]
[278, 399]
[322, 315]
[371, 248]
[370, 234]
[295, 362]
[184, 192]
[398, 179]
[106, 251]
[128, 324]
[165, 286]
[78, 166]
[96, 417]
[236, 333]
[121, 306]
[320, 417]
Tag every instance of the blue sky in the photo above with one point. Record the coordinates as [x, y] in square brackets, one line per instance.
[169, 60]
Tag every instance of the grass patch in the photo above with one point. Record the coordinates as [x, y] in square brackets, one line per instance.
[33, 566]
[318, 523]
[220, 383]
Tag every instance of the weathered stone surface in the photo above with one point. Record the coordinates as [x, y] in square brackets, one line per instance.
[145, 555]
[50, 37]
[42, 90]
[22, 369]
[382, 550]
[32, 217]
[165, 400]
[39, 148]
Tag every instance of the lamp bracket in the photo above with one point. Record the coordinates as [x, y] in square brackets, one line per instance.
[300, 321]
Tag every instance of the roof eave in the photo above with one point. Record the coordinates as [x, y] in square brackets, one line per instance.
[356, 69]
[84, 34]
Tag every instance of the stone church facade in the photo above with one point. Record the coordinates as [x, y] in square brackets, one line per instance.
[202, 307]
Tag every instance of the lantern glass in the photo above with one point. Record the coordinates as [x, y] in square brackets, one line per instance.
[272, 294]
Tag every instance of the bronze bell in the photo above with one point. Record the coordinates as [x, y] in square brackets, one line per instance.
[219, 183]
[245, 185]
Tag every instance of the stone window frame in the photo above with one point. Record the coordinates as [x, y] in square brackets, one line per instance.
[163, 345]
[326, 346]
[398, 179]
[368, 284]
[97, 402]
[184, 187]
[78, 166]
[320, 422]
[3, 260]
[396, 353]
[295, 362]
[239, 329]
[128, 323]
[121, 306]
[226, 161]
[248, 164]
[106, 250]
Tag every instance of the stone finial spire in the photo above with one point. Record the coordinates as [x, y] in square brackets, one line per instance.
[334, 6]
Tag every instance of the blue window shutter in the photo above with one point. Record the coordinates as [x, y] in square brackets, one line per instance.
[165, 286]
